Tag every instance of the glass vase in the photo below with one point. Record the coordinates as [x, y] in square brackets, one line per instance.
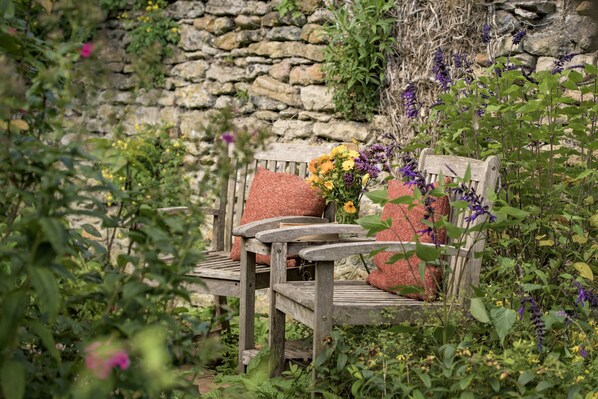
[344, 216]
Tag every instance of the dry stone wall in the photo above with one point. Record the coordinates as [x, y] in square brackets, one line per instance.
[242, 54]
[232, 53]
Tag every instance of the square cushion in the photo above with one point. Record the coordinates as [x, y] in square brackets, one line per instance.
[277, 194]
[406, 272]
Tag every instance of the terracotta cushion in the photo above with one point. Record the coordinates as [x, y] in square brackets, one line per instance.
[277, 194]
[405, 225]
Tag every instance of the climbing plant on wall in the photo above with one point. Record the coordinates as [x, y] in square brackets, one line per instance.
[355, 59]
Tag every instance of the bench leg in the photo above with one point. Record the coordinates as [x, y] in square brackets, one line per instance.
[221, 307]
[246, 305]
[276, 339]
[323, 311]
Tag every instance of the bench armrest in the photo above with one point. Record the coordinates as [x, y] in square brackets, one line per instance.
[249, 230]
[292, 233]
[330, 252]
[183, 209]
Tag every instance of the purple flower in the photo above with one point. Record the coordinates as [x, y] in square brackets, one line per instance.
[558, 64]
[228, 137]
[517, 37]
[349, 179]
[473, 200]
[520, 312]
[486, 33]
[410, 101]
[373, 160]
[535, 317]
[441, 73]
[582, 351]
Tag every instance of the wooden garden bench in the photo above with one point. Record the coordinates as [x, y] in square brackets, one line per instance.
[322, 303]
[221, 276]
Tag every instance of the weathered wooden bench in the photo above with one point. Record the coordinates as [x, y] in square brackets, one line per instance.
[322, 303]
[223, 277]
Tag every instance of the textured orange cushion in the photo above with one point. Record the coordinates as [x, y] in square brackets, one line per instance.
[277, 194]
[406, 272]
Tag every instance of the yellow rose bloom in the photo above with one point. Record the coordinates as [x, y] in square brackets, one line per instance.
[312, 166]
[348, 165]
[349, 207]
[329, 185]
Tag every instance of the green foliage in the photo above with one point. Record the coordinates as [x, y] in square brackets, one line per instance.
[151, 32]
[288, 8]
[355, 58]
[83, 284]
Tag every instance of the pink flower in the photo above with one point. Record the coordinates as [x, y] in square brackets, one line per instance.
[87, 49]
[102, 357]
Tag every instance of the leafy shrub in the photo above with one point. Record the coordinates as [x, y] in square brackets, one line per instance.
[355, 58]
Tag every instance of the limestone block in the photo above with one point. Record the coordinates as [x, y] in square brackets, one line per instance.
[288, 49]
[506, 22]
[243, 62]
[193, 96]
[314, 116]
[193, 71]
[205, 23]
[266, 115]
[234, 40]
[341, 131]
[140, 115]
[587, 8]
[381, 123]
[506, 46]
[309, 6]
[274, 89]
[482, 59]
[222, 73]
[320, 17]
[267, 103]
[289, 113]
[115, 66]
[176, 56]
[581, 59]
[545, 64]
[281, 71]
[223, 25]
[307, 75]
[248, 21]
[582, 31]
[317, 98]
[292, 129]
[284, 33]
[314, 34]
[225, 7]
[193, 39]
[529, 15]
[218, 89]
[185, 9]
[234, 103]
[256, 8]
[148, 97]
[254, 70]
[274, 19]
[527, 60]
[166, 99]
[172, 83]
[192, 123]
[116, 97]
[250, 123]
[170, 115]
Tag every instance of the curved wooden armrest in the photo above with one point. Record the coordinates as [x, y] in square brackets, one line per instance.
[342, 250]
[249, 230]
[292, 233]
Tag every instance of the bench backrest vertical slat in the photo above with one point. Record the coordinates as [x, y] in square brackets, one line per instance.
[277, 157]
[484, 175]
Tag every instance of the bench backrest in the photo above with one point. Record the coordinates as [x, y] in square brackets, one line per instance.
[484, 175]
[277, 157]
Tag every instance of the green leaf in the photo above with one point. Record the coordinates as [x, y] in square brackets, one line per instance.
[12, 377]
[503, 320]
[374, 223]
[403, 200]
[378, 196]
[427, 253]
[45, 335]
[55, 234]
[515, 212]
[7, 8]
[525, 378]
[478, 310]
[13, 307]
[584, 270]
[46, 288]
[467, 175]
[425, 379]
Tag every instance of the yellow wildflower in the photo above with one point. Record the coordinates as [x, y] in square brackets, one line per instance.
[348, 165]
[312, 166]
[364, 179]
[349, 207]
[338, 150]
[353, 154]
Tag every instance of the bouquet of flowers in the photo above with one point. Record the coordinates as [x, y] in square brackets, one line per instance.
[343, 175]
